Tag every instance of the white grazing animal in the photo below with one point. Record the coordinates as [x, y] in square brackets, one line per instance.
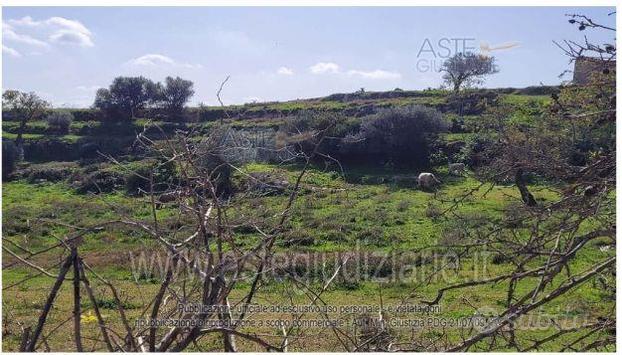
[427, 181]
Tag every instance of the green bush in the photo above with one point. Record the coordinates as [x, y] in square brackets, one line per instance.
[51, 172]
[137, 180]
[86, 114]
[49, 149]
[59, 122]
[471, 102]
[476, 151]
[301, 132]
[401, 136]
[539, 90]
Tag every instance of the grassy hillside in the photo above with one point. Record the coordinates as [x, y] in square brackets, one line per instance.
[365, 211]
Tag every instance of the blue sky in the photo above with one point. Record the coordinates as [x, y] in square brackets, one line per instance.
[65, 53]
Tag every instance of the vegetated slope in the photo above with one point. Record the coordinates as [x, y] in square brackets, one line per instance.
[89, 130]
[367, 209]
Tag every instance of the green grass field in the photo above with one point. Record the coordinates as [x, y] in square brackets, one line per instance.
[331, 216]
[397, 237]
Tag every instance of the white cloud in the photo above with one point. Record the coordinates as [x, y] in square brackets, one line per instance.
[10, 51]
[375, 74]
[24, 21]
[71, 38]
[152, 60]
[321, 68]
[69, 25]
[57, 22]
[285, 71]
[9, 34]
[333, 68]
[159, 60]
[58, 29]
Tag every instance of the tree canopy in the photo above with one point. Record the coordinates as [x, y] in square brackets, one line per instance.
[467, 69]
[175, 93]
[26, 106]
[126, 96]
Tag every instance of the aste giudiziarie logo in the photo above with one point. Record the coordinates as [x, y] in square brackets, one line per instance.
[433, 52]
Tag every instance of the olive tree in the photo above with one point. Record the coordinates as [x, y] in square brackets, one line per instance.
[25, 106]
[467, 69]
[175, 93]
[126, 96]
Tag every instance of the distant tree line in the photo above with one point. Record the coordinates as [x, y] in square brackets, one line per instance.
[127, 96]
